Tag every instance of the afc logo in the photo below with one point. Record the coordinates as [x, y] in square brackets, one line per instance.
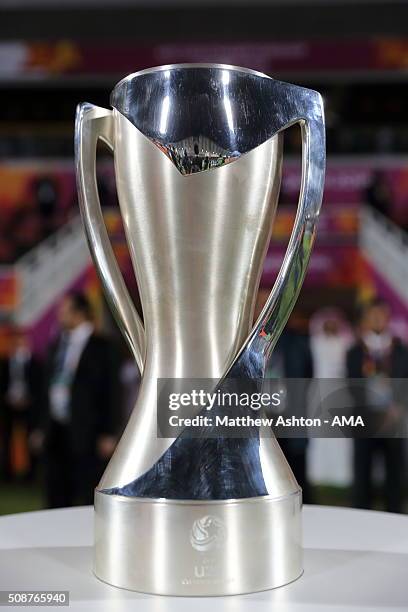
[208, 533]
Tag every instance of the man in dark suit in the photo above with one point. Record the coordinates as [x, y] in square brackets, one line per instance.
[293, 349]
[378, 358]
[20, 393]
[292, 358]
[81, 407]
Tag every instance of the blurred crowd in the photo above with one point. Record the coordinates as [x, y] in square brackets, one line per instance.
[60, 419]
[31, 221]
[62, 416]
[327, 346]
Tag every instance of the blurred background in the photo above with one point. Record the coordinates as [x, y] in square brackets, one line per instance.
[352, 316]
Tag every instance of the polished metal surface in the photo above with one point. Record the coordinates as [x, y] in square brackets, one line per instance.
[206, 115]
[197, 244]
[198, 153]
[198, 548]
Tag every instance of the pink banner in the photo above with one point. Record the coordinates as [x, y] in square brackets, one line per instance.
[330, 266]
[348, 182]
[43, 59]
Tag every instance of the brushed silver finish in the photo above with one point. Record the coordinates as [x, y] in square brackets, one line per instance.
[91, 124]
[192, 548]
[198, 152]
[192, 241]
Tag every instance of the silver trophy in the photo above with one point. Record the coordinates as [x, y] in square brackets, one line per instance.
[198, 154]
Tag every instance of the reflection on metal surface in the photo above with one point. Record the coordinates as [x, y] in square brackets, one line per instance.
[203, 116]
[197, 154]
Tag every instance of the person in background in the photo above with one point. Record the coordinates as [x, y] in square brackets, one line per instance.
[130, 379]
[330, 340]
[46, 195]
[81, 416]
[21, 381]
[293, 348]
[292, 358]
[378, 357]
[378, 194]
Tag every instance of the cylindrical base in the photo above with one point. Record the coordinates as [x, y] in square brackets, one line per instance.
[171, 547]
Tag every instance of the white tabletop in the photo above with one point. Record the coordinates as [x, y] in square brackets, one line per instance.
[355, 561]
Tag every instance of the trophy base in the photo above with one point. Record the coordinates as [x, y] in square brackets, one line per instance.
[197, 548]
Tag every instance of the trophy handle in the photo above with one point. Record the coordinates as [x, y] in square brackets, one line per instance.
[305, 107]
[94, 123]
